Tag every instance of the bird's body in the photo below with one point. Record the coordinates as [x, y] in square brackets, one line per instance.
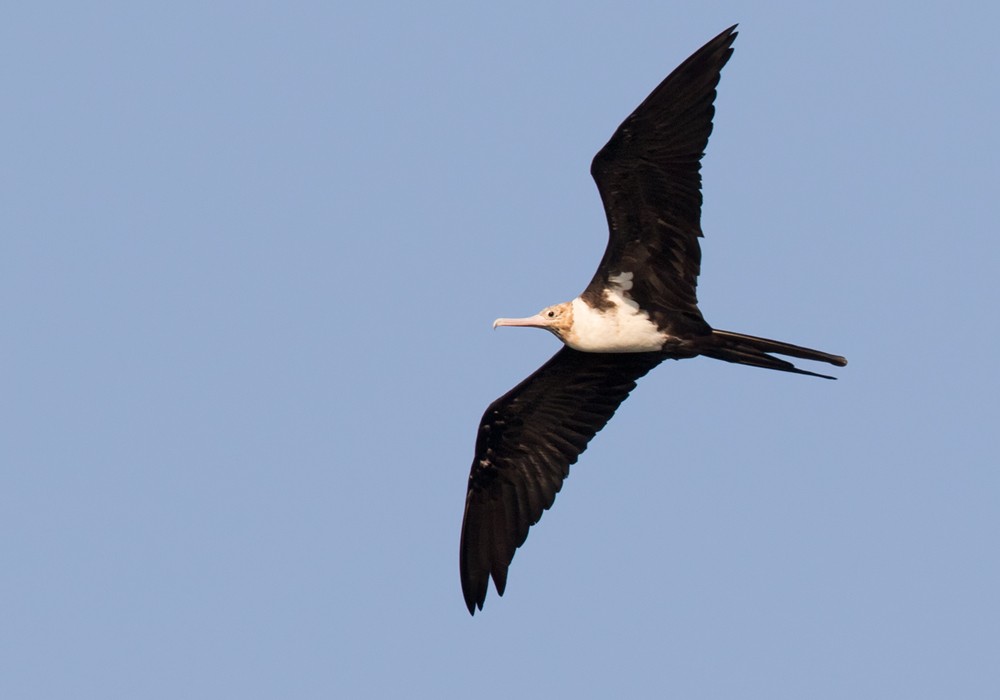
[620, 326]
[639, 309]
[623, 327]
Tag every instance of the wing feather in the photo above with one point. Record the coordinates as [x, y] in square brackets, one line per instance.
[527, 441]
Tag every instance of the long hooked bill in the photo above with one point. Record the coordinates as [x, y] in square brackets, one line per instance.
[536, 321]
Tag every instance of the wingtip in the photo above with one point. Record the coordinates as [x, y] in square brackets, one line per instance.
[729, 34]
[473, 599]
[727, 38]
[473, 590]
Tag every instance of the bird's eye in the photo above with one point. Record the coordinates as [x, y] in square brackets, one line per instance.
[550, 313]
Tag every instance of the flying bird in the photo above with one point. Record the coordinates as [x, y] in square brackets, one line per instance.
[639, 310]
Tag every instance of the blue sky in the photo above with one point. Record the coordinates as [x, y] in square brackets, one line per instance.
[249, 262]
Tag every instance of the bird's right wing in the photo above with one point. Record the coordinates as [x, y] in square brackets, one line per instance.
[528, 438]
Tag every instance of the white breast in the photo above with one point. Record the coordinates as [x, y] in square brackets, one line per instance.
[622, 328]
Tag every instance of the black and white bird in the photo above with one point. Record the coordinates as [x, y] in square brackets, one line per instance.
[639, 310]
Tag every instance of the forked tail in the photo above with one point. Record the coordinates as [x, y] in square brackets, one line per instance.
[751, 350]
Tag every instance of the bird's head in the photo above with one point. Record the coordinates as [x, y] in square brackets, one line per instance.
[557, 319]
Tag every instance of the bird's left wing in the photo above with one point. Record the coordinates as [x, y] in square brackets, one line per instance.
[649, 177]
[528, 438]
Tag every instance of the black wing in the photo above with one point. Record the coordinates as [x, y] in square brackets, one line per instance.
[527, 440]
[649, 178]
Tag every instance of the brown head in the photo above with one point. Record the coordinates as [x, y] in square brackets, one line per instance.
[557, 319]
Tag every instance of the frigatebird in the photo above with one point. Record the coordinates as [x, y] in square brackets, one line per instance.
[639, 310]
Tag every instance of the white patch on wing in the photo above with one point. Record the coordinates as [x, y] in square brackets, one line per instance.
[617, 292]
[623, 280]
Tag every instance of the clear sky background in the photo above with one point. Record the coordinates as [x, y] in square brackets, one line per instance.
[249, 258]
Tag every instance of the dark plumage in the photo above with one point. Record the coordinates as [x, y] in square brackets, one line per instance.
[527, 440]
[649, 179]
